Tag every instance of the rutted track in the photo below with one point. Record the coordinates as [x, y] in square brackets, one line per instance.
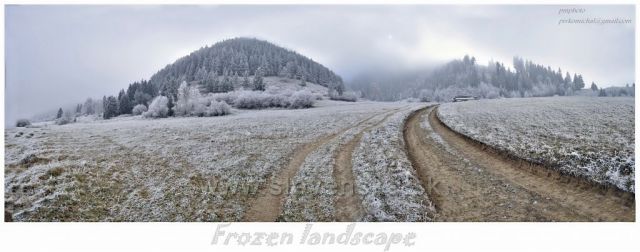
[269, 202]
[468, 183]
[348, 201]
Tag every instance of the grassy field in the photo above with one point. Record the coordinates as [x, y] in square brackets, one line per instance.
[174, 169]
[591, 137]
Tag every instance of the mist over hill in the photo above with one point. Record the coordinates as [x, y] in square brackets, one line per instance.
[466, 77]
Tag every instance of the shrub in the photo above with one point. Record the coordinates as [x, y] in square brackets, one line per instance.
[157, 108]
[23, 123]
[187, 98]
[228, 97]
[347, 96]
[259, 100]
[218, 109]
[301, 99]
[275, 101]
[65, 119]
[139, 109]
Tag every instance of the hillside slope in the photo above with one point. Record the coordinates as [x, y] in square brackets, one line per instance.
[243, 57]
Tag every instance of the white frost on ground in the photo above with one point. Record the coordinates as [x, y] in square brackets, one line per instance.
[171, 169]
[591, 137]
[384, 176]
[313, 189]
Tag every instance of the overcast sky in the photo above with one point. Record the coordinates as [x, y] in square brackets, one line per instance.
[57, 55]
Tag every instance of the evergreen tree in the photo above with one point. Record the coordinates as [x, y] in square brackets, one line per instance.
[59, 115]
[110, 107]
[602, 93]
[578, 83]
[258, 82]
[124, 103]
[237, 56]
[211, 83]
[245, 80]
[236, 79]
[227, 84]
[89, 107]
[594, 87]
[170, 105]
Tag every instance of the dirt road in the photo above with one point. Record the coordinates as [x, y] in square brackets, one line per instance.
[268, 205]
[468, 182]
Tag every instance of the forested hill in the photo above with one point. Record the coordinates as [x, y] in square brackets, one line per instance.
[466, 77]
[242, 57]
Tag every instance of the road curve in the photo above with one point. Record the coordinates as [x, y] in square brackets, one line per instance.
[468, 182]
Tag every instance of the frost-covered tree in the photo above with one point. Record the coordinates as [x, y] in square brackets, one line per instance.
[79, 109]
[578, 83]
[66, 118]
[237, 56]
[227, 84]
[236, 79]
[140, 97]
[158, 108]
[594, 87]
[301, 99]
[201, 74]
[602, 93]
[465, 77]
[211, 84]
[139, 109]
[246, 85]
[59, 114]
[191, 102]
[89, 107]
[258, 82]
[124, 104]
[170, 105]
[184, 100]
[110, 107]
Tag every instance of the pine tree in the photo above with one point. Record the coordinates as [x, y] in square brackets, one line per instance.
[245, 80]
[110, 108]
[578, 83]
[170, 106]
[124, 104]
[211, 84]
[567, 81]
[239, 55]
[236, 79]
[59, 115]
[258, 82]
[89, 107]
[594, 87]
[602, 93]
[226, 84]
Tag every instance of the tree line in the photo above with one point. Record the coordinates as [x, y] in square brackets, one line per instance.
[240, 63]
[466, 77]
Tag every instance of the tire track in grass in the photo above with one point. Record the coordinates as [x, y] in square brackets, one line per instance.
[270, 200]
[348, 203]
[461, 191]
[573, 193]
[469, 182]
